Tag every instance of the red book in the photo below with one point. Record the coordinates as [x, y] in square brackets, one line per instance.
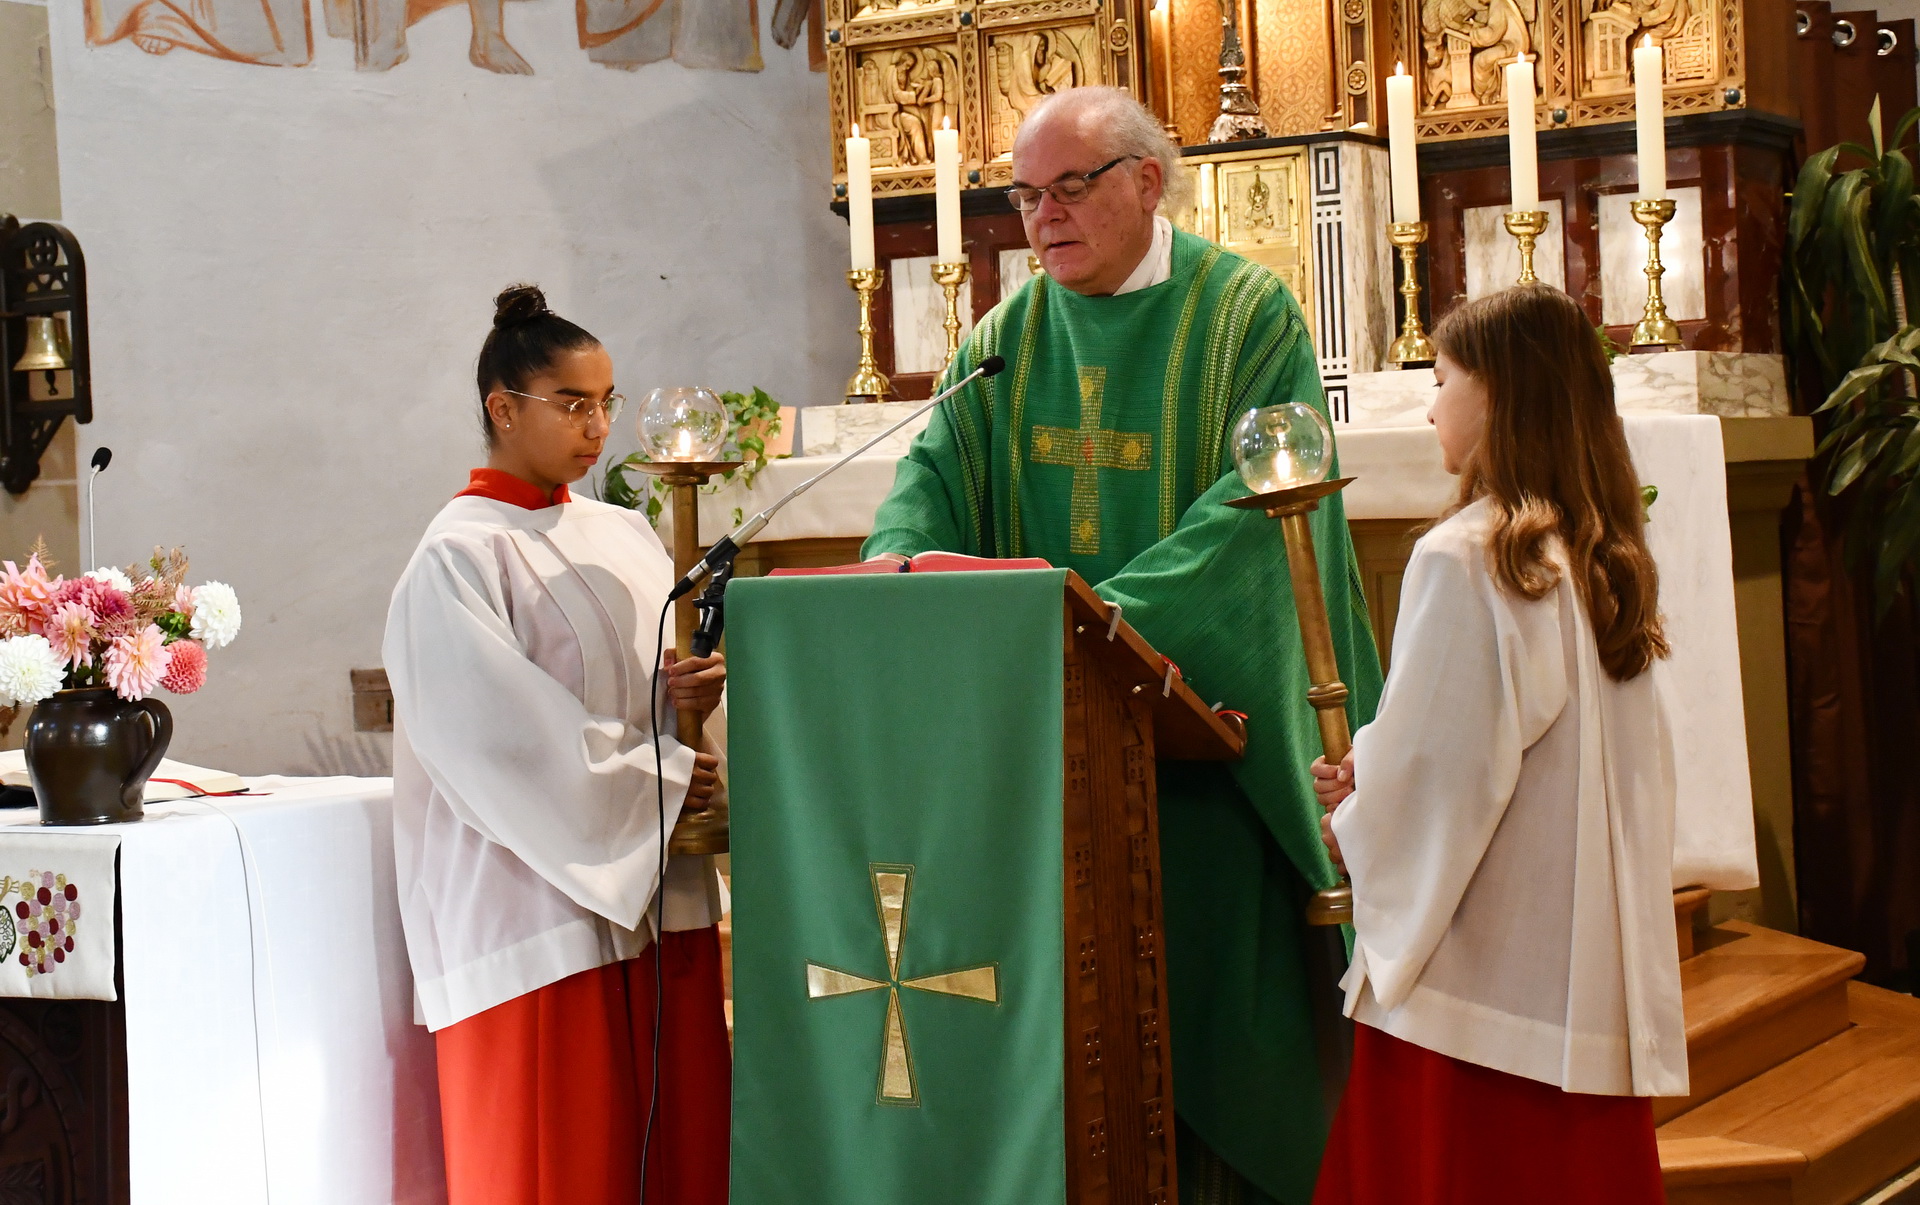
[926, 562]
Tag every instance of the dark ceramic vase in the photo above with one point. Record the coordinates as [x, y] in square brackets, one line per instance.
[90, 753]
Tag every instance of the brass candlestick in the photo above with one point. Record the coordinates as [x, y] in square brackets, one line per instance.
[1654, 329]
[1413, 346]
[702, 830]
[1334, 905]
[1239, 118]
[868, 383]
[950, 276]
[1526, 225]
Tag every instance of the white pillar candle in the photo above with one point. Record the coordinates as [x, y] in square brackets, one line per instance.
[946, 191]
[860, 199]
[1402, 165]
[1649, 119]
[1521, 153]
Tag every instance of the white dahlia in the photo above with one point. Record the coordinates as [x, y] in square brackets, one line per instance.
[29, 669]
[216, 615]
[113, 577]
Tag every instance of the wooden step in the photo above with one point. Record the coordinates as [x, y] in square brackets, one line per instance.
[1850, 1107]
[1755, 998]
[1687, 903]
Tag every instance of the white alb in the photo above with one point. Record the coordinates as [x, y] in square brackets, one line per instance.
[1510, 838]
[521, 648]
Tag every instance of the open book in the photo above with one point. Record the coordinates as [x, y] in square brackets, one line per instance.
[185, 779]
[926, 562]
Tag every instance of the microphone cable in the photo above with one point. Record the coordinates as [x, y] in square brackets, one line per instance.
[659, 893]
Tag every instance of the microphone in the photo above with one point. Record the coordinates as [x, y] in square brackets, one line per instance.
[727, 547]
[102, 457]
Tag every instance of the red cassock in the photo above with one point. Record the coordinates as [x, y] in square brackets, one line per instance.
[544, 1099]
[1420, 1128]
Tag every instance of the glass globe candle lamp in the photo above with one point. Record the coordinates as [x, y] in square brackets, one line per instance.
[683, 423]
[1283, 454]
[1282, 447]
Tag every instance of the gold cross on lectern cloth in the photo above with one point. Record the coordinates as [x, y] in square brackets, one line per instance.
[892, 886]
[1088, 450]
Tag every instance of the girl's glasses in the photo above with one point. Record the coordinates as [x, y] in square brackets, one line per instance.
[580, 409]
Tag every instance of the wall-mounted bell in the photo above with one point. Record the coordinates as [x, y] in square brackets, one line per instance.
[48, 348]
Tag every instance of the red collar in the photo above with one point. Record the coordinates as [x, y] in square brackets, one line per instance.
[502, 486]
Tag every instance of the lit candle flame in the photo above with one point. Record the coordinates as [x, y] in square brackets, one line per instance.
[856, 129]
[1399, 68]
[946, 123]
[686, 445]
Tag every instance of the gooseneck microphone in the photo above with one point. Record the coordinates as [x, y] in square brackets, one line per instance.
[727, 547]
[102, 457]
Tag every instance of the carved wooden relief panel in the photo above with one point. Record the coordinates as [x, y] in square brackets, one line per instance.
[899, 68]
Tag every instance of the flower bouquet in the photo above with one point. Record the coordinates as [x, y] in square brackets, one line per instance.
[87, 653]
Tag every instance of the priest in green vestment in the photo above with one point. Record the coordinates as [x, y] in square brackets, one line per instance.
[1103, 447]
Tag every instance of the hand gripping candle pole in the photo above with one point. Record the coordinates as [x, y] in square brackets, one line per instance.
[727, 547]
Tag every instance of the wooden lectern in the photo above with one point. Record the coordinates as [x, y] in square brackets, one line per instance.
[1126, 706]
[895, 878]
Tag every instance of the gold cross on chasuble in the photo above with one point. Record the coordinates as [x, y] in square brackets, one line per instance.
[1087, 451]
[891, 887]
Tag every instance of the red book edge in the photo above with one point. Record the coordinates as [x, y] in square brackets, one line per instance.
[926, 562]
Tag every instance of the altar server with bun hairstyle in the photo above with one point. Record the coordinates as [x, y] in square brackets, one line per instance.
[528, 791]
[1507, 817]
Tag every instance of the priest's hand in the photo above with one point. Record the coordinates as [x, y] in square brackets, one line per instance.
[694, 683]
[706, 780]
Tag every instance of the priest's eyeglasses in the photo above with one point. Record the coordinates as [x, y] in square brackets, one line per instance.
[1070, 189]
[579, 409]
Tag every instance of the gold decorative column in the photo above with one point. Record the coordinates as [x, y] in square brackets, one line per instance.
[1526, 226]
[1413, 346]
[705, 830]
[868, 383]
[950, 276]
[1327, 694]
[1654, 329]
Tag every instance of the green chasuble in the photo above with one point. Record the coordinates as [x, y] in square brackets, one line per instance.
[1103, 448]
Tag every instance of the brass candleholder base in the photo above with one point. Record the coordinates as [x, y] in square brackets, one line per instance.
[950, 276]
[1239, 118]
[1413, 346]
[1654, 329]
[1334, 905]
[702, 830]
[1526, 226]
[868, 383]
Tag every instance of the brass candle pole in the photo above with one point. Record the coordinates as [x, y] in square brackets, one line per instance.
[950, 276]
[1333, 905]
[1413, 346]
[703, 830]
[1526, 226]
[1654, 329]
[868, 383]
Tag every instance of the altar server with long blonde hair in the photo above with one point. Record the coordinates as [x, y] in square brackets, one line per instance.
[1507, 817]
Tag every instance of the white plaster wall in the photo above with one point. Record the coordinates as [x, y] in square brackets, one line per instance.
[292, 270]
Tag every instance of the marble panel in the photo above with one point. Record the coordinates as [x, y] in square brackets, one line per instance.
[837, 430]
[1623, 260]
[919, 315]
[1016, 269]
[1729, 384]
[1493, 257]
[1354, 265]
[1726, 384]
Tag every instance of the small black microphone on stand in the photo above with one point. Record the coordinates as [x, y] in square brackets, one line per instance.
[102, 457]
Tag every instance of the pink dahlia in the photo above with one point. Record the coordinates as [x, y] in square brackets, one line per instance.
[26, 595]
[183, 600]
[135, 663]
[101, 597]
[70, 630]
[186, 667]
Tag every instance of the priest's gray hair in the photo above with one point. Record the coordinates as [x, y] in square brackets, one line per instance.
[1125, 127]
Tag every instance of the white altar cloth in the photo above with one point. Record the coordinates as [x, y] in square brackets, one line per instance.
[1398, 475]
[271, 1051]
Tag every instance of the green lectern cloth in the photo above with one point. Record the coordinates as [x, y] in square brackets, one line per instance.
[896, 772]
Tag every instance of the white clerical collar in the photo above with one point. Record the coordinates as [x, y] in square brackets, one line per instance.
[1156, 267]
